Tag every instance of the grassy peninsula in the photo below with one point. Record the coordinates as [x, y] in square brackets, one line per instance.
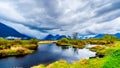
[106, 40]
[108, 47]
[17, 47]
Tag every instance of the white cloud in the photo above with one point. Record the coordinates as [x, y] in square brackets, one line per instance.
[62, 16]
[8, 12]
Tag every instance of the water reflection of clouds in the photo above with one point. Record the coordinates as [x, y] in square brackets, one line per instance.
[70, 54]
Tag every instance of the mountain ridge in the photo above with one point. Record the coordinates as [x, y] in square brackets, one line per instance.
[6, 31]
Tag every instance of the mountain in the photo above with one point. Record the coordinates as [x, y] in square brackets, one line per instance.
[6, 31]
[99, 36]
[57, 37]
[96, 36]
[117, 35]
[52, 37]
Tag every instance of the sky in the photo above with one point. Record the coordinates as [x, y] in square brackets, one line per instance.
[38, 18]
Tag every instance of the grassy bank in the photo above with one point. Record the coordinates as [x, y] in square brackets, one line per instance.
[109, 61]
[17, 47]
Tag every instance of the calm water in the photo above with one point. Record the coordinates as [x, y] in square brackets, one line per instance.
[46, 54]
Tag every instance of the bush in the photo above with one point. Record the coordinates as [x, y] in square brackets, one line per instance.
[64, 40]
[33, 41]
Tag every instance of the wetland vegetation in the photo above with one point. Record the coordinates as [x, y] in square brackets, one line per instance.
[107, 51]
[17, 47]
[108, 47]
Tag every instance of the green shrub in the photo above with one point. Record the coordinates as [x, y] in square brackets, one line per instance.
[64, 40]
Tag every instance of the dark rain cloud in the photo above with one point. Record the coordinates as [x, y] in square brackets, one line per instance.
[110, 7]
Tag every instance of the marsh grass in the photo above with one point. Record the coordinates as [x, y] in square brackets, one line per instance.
[106, 40]
[17, 47]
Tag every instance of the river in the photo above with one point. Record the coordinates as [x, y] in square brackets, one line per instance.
[45, 54]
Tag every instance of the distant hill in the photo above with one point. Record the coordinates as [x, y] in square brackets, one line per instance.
[6, 31]
[57, 37]
[96, 36]
[52, 37]
[117, 35]
[101, 35]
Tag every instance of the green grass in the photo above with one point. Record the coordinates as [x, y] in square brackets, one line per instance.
[113, 60]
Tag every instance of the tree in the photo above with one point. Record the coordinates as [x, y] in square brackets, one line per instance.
[75, 36]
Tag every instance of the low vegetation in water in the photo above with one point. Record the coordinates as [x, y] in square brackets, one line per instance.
[108, 46]
[17, 47]
[106, 40]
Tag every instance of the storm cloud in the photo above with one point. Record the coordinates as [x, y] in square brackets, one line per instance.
[38, 18]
